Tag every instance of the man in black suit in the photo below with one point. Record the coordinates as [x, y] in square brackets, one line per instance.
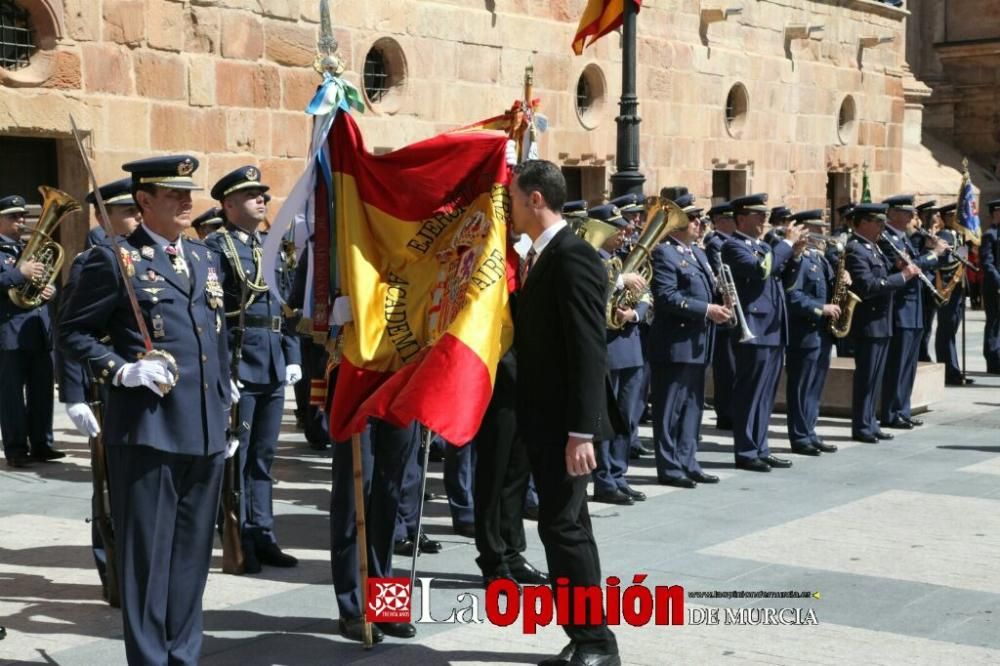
[561, 399]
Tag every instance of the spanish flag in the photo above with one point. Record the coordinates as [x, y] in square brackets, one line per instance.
[422, 254]
[599, 18]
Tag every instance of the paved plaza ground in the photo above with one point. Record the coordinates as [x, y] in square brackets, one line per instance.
[900, 539]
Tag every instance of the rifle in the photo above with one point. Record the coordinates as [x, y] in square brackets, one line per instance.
[101, 500]
[232, 479]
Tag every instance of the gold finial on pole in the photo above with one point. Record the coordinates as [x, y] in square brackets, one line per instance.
[327, 61]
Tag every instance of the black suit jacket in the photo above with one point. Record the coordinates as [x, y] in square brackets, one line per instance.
[559, 332]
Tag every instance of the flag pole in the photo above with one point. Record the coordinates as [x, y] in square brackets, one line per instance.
[428, 437]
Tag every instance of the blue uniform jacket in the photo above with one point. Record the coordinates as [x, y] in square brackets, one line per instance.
[757, 269]
[989, 257]
[713, 248]
[267, 348]
[870, 280]
[191, 419]
[682, 287]
[19, 328]
[908, 303]
[625, 344]
[808, 284]
[74, 383]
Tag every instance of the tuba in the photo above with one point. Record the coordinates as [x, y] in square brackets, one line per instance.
[662, 217]
[56, 205]
[845, 298]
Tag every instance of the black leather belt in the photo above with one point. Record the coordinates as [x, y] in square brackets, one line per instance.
[272, 324]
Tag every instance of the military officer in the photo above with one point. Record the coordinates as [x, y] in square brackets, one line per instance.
[950, 282]
[989, 257]
[778, 219]
[809, 281]
[928, 220]
[76, 386]
[625, 364]
[25, 350]
[208, 222]
[165, 429]
[723, 355]
[871, 327]
[269, 360]
[907, 314]
[681, 346]
[756, 269]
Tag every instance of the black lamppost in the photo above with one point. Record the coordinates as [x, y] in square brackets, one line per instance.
[628, 178]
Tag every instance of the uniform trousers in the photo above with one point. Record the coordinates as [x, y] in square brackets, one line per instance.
[261, 406]
[900, 374]
[869, 361]
[25, 401]
[612, 454]
[723, 372]
[678, 405]
[384, 452]
[164, 507]
[806, 371]
[755, 386]
[991, 334]
[949, 321]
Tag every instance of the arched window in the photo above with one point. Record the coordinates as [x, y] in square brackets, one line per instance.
[17, 39]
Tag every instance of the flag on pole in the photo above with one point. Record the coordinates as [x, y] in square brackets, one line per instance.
[967, 214]
[866, 192]
[599, 18]
[421, 250]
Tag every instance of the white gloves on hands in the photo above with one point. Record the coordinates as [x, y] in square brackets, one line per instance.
[83, 418]
[293, 373]
[342, 311]
[511, 152]
[234, 443]
[234, 392]
[148, 372]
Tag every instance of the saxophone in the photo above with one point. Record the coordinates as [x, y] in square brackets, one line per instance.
[843, 297]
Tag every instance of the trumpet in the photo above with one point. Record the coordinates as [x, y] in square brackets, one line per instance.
[905, 258]
[951, 249]
[727, 285]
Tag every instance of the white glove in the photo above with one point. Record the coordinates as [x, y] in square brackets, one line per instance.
[83, 418]
[533, 151]
[234, 392]
[342, 310]
[293, 373]
[149, 372]
[511, 152]
[231, 447]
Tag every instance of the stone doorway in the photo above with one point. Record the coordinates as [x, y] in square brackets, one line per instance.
[727, 184]
[586, 182]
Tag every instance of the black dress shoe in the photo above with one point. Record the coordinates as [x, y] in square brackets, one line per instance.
[613, 497]
[755, 465]
[636, 495]
[899, 424]
[465, 529]
[867, 439]
[429, 546]
[397, 629]
[775, 461]
[272, 556]
[403, 548]
[19, 460]
[959, 381]
[46, 454]
[562, 658]
[350, 627]
[677, 482]
[500, 573]
[824, 447]
[805, 449]
[251, 565]
[884, 435]
[525, 574]
[319, 445]
[915, 422]
[594, 659]
[702, 477]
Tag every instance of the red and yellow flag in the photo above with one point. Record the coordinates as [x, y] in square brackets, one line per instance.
[599, 18]
[421, 244]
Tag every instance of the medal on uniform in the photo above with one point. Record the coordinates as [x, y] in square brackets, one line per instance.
[157, 326]
[195, 255]
[127, 262]
[146, 251]
[213, 289]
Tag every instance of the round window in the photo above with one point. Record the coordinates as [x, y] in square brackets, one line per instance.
[384, 75]
[737, 109]
[846, 120]
[591, 90]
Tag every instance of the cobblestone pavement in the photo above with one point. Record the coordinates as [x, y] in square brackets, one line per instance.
[901, 540]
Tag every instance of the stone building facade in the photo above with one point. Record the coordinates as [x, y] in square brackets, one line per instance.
[791, 97]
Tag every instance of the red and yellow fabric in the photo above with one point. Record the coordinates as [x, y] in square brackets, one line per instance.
[599, 18]
[422, 252]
